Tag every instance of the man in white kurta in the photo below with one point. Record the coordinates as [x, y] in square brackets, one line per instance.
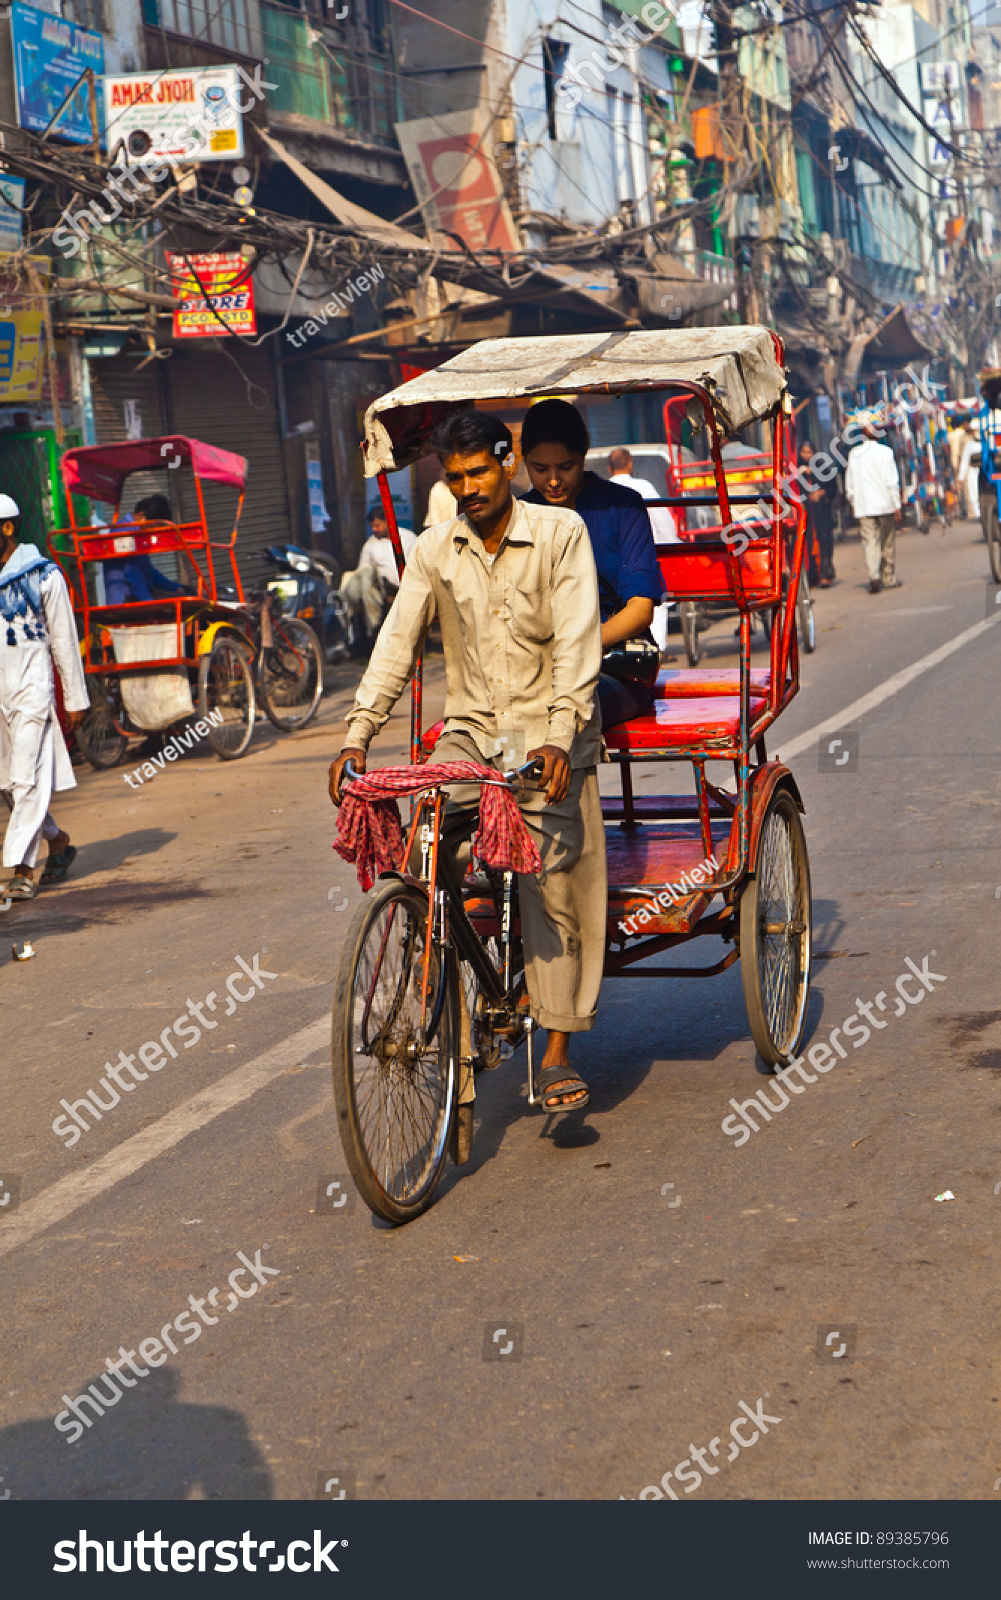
[37, 634]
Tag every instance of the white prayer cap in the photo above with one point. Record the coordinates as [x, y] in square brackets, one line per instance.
[8, 508]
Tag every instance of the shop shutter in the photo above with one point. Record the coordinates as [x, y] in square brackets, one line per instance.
[209, 400]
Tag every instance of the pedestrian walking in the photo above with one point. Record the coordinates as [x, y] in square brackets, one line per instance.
[872, 485]
[38, 633]
[819, 522]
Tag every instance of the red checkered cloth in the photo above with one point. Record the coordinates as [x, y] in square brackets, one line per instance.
[369, 832]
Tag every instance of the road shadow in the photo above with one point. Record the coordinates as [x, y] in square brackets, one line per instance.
[107, 906]
[149, 1447]
[109, 855]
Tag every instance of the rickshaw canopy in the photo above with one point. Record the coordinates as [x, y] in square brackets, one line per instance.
[737, 365]
[99, 471]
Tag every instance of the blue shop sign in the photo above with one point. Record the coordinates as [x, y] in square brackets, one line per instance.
[50, 55]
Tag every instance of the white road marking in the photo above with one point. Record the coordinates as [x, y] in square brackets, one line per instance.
[67, 1194]
[869, 702]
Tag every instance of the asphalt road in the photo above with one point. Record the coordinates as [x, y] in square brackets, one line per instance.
[655, 1275]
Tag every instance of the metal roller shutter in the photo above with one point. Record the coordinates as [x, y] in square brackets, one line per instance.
[209, 400]
[114, 383]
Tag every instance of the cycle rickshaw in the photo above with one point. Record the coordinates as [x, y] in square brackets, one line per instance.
[147, 660]
[404, 1046]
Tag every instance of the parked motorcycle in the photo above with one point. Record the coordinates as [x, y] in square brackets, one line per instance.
[309, 588]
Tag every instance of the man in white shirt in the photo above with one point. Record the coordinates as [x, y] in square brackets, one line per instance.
[620, 470]
[375, 579]
[38, 638]
[872, 484]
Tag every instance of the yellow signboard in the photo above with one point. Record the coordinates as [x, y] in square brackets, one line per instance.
[22, 343]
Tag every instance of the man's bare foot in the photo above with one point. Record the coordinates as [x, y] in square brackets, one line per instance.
[58, 844]
[560, 1087]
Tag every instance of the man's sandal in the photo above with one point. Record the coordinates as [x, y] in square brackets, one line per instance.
[20, 889]
[554, 1083]
[58, 865]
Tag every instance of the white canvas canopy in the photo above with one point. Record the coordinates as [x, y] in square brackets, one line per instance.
[737, 365]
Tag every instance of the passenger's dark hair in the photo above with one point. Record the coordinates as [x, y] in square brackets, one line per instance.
[155, 506]
[555, 422]
[466, 432]
[376, 511]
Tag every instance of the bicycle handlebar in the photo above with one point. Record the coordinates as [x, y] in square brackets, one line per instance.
[531, 769]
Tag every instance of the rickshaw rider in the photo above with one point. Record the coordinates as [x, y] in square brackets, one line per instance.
[516, 593]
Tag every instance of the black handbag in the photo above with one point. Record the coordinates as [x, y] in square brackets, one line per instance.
[633, 661]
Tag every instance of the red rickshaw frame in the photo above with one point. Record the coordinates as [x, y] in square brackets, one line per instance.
[709, 569]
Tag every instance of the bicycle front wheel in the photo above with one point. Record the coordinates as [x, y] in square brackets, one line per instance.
[394, 1082]
[290, 675]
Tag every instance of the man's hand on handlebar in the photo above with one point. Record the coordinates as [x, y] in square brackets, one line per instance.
[555, 776]
[357, 758]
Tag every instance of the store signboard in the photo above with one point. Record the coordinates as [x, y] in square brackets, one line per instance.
[218, 293]
[50, 56]
[22, 329]
[11, 206]
[456, 181]
[185, 114]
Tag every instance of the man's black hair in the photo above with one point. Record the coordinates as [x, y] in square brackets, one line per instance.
[555, 422]
[465, 433]
[376, 511]
[155, 506]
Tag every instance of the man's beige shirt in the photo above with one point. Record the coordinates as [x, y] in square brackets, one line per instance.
[521, 635]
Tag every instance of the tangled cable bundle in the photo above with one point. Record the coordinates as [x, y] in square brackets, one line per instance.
[369, 832]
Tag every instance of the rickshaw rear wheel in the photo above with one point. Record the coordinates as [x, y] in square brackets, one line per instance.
[226, 699]
[99, 736]
[776, 929]
[993, 534]
[290, 675]
[394, 1087]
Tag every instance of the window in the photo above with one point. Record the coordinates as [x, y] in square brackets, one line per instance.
[554, 60]
[85, 13]
[221, 22]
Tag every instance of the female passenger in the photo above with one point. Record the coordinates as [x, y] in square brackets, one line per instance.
[554, 444]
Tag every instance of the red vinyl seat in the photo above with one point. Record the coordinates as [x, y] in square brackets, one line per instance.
[676, 723]
[693, 682]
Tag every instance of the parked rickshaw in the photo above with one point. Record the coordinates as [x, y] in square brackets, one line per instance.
[149, 661]
[402, 1048]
